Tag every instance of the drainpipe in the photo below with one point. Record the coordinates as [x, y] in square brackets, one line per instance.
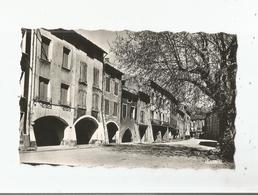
[102, 105]
[28, 120]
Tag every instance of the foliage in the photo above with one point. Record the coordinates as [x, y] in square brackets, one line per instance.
[199, 68]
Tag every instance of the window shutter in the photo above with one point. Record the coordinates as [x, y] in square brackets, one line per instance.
[85, 72]
[41, 90]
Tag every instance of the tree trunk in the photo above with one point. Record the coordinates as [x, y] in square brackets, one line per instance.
[227, 130]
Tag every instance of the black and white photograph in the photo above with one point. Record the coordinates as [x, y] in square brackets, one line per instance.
[136, 99]
[132, 96]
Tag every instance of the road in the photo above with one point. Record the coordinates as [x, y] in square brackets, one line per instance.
[171, 155]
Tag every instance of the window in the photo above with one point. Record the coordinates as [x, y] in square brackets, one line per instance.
[45, 48]
[96, 77]
[152, 114]
[132, 112]
[64, 94]
[124, 111]
[107, 107]
[116, 88]
[43, 89]
[65, 63]
[82, 99]
[83, 73]
[95, 102]
[142, 116]
[108, 84]
[115, 111]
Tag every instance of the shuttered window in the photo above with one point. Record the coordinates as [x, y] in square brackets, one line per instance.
[124, 111]
[107, 84]
[65, 63]
[116, 88]
[82, 99]
[96, 77]
[83, 72]
[95, 102]
[107, 107]
[132, 112]
[115, 109]
[43, 89]
[142, 116]
[64, 94]
[45, 48]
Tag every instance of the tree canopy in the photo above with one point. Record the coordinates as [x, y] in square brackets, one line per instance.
[199, 68]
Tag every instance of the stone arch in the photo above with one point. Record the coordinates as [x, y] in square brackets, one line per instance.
[85, 127]
[142, 132]
[112, 128]
[49, 130]
[127, 136]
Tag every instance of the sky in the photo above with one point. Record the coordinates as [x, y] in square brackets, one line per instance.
[102, 38]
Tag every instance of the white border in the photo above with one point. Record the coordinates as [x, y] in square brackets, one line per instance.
[232, 16]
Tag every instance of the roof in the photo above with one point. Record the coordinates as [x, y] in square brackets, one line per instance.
[163, 91]
[129, 94]
[144, 97]
[198, 117]
[79, 42]
[112, 71]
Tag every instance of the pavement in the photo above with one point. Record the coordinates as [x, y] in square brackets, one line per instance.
[181, 154]
[194, 143]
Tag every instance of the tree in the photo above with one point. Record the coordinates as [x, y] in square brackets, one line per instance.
[197, 67]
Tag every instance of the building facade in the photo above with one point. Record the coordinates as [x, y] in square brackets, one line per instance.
[163, 113]
[128, 130]
[212, 126]
[70, 96]
[61, 89]
[144, 119]
[198, 122]
[112, 101]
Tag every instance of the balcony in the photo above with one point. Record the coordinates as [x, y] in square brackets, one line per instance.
[165, 123]
[155, 122]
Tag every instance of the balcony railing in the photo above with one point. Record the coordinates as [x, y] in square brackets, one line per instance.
[155, 122]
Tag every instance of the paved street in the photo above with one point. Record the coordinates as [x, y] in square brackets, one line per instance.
[181, 154]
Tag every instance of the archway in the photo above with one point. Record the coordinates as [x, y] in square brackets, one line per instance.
[85, 127]
[49, 130]
[158, 133]
[142, 132]
[127, 137]
[112, 128]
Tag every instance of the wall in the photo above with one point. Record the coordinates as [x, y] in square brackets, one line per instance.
[127, 122]
[53, 71]
[112, 98]
[212, 127]
[146, 124]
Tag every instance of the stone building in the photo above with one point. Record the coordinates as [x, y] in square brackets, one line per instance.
[112, 101]
[198, 122]
[212, 127]
[128, 129]
[163, 112]
[186, 122]
[61, 88]
[143, 120]
[180, 124]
